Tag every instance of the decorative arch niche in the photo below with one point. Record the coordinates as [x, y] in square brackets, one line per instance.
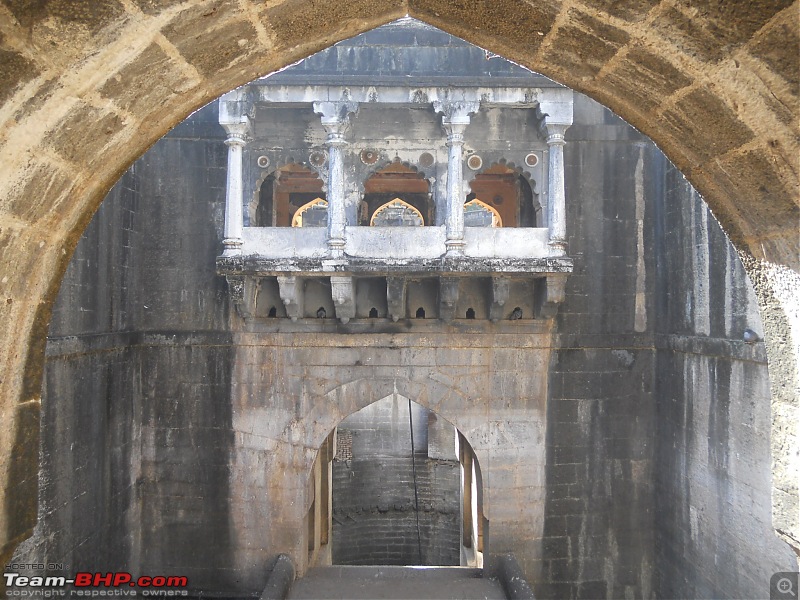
[311, 214]
[507, 192]
[397, 213]
[284, 193]
[479, 214]
[394, 182]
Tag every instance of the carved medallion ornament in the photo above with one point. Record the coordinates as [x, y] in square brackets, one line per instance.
[317, 159]
[369, 157]
[426, 159]
[474, 162]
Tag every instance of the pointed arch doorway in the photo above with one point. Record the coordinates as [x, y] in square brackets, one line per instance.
[396, 484]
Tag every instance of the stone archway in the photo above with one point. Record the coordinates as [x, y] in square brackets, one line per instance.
[395, 435]
[88, 88]
[293, 439]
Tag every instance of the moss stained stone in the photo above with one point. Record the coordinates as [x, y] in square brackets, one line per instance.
[15, 69]
[94, 14]
[585, 44]
[701, 111]
[153, 65]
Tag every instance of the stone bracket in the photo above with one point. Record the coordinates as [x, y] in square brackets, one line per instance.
[291, 291]
[456, 112]
[335, 115]
[550, 294]
[448, 297]
[236, 287]
[343, 294]
[396, 297]
[500, 292]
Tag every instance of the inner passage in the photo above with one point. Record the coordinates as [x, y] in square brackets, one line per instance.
[378, 485]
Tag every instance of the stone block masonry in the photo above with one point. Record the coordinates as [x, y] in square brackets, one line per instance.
[615, 477]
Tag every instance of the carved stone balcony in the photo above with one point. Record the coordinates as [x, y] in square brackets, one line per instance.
[396, 273]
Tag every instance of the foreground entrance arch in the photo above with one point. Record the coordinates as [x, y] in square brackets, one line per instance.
[86, 91]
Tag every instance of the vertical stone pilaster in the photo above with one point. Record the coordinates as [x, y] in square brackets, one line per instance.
[556, 205]
[237, 139]
[455, 118]
[336, 120]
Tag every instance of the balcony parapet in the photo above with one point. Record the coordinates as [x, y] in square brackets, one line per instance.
[396, 243]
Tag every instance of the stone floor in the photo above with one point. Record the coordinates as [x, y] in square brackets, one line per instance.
[399, 583]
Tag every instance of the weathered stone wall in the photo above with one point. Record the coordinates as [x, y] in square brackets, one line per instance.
[187, 440]
[374, 515]
[138, 375]
[599, 520]
[184, 349]
[370, 530]
[714, 535]
[88, 501]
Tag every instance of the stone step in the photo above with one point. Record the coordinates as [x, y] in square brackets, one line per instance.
[399, 583]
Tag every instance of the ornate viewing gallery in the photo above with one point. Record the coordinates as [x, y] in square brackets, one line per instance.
[308, 300]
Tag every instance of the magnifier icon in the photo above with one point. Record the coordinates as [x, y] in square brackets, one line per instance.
[784, 586]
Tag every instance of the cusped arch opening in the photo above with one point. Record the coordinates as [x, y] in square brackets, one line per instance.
[286, 192]
[393, 183]
[507, 192]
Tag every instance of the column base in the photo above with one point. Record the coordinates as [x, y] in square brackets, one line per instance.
[557, 248]
[336, 247]
[454, 247]
[232, 247]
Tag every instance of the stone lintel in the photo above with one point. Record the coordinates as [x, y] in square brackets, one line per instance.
[413, 93]
[439, 266]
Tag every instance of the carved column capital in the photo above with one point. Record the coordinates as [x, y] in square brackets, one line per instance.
[555, 133]
[238, 132]
[335, 118]
[455, 118]
[456, 112]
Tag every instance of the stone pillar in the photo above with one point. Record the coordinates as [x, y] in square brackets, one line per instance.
[455, 118]
[336, 120]
[556, 203]
[237, 138]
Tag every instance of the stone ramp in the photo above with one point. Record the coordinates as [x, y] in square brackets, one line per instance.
[398, 583]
